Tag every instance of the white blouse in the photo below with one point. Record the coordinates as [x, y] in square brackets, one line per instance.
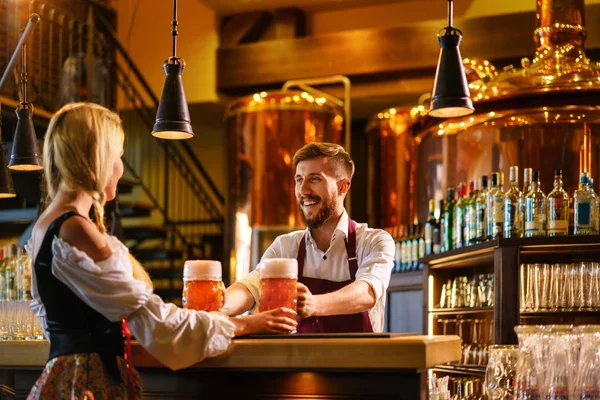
[175, 336]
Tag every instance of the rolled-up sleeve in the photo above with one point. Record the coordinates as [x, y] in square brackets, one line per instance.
[377, 261]
[176, 337]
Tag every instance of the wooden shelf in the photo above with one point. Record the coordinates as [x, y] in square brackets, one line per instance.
[566, 314]
[469, 256]
[461, 369]
[466, 310]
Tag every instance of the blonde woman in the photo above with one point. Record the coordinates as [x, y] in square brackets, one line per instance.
[84, 282]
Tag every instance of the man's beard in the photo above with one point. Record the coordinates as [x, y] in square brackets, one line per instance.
[323, 214]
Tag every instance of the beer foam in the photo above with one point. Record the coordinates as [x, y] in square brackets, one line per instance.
[279, 268]
[202, 270]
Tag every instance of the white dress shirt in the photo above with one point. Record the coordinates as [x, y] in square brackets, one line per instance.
[374, 250]
[176, 337]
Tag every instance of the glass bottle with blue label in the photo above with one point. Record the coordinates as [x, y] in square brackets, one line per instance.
[585, 206]
[535, 209]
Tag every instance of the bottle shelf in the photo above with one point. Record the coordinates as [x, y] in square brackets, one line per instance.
[542, 246]
[574, 314]
[465, 310]
[466, 369]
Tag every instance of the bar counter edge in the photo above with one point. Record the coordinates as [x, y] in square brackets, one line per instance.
[280, 368]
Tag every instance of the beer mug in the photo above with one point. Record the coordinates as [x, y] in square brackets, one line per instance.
[202, 285]
[278, 278]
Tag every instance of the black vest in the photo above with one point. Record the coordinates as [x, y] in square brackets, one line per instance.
[74, 327]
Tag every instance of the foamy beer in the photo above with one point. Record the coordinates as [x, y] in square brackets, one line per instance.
[278, 277]
[202, 285]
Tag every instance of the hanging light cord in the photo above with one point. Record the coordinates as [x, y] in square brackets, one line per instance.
[174, 31]
[450, 30]
[24, 73]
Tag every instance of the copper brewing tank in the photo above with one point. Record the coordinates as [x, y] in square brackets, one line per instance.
[263, 133]
[391, 169]
[543, 115]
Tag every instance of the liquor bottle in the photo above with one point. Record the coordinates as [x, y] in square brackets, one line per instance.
[527, 173]
[414, 246]
[596, 221]
[513, 221]
[459, 216]
[535, 209]
[470, 214]
[437, 231]
[429, 225]
[480, 212]
[448, 221]
[490, 205]
[498, 210]
[421, 246]
[558, 208]
[398, 252]
[405, 248]
[585, 208]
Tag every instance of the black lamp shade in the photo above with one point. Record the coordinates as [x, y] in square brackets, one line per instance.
[25, 154]
[173, 115]
[7, 190]
[451, 97]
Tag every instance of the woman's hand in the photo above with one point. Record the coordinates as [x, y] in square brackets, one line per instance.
[280, 320]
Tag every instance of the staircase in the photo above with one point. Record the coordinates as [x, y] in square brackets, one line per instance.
[168, 208]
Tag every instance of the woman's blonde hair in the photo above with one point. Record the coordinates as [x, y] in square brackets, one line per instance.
[82, 143]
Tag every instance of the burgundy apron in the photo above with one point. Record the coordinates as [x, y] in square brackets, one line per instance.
[333, 323]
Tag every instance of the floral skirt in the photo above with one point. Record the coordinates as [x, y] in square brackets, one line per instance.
[82, 376]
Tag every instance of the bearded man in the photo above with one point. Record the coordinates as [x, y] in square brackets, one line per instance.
[344, 267]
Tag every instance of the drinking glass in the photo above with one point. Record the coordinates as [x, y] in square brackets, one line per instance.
[527, 284]
[202, 285]
[558, 287]
[500, 371]
[587, 285]
[574, 294]
[587, 381]
[529, 374]
[541, 287]
[278, 280]
[561, 361]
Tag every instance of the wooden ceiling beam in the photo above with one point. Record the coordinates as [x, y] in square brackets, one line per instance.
[290, 23]
[246, 27]
[368, 55]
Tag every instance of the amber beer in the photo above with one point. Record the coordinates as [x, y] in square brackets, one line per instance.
[278, 277]
[202, 285]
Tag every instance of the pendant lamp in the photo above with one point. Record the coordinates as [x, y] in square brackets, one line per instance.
[7, 190]
[451, 97]
[25, 154]
[173, 115]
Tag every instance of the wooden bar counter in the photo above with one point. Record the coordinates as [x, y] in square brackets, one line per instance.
[270, 368]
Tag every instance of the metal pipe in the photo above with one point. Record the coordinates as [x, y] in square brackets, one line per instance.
[34, 19]
[306, 85]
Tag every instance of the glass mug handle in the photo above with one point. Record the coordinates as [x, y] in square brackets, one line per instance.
[223, 296]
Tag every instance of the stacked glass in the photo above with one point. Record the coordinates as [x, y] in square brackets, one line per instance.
[555, 362]
[17, 321]
[560, 287]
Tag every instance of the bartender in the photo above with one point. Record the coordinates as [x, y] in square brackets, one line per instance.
[344, 267]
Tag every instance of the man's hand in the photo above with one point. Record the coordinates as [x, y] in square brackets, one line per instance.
[307, 302]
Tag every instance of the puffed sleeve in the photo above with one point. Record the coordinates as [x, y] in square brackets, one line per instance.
[176, 337]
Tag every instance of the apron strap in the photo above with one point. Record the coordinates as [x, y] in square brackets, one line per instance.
[351, 249]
